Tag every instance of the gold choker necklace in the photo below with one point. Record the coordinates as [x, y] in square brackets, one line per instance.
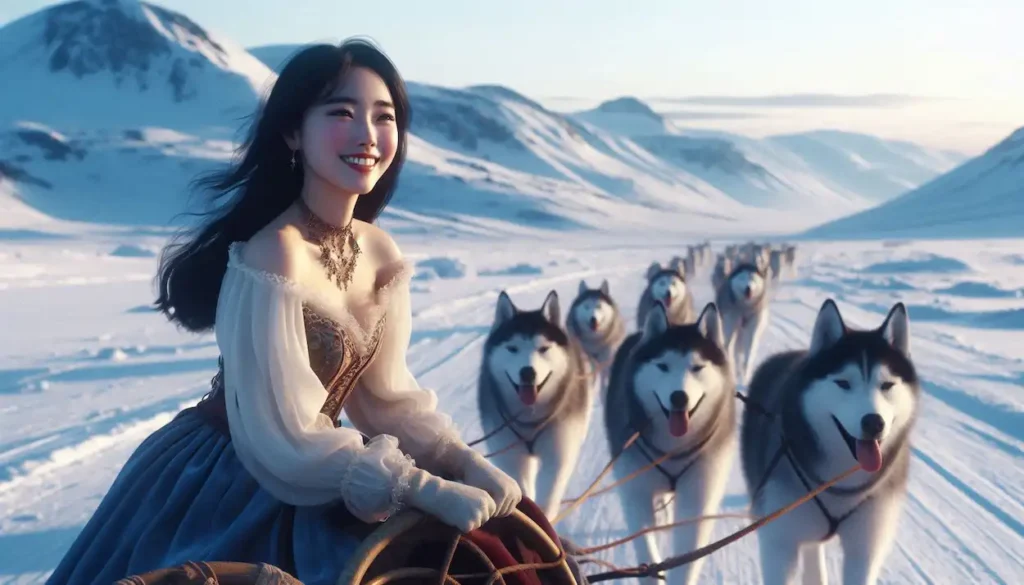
[331, 239]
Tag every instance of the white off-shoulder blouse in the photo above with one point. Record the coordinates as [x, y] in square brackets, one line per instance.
[274, 398]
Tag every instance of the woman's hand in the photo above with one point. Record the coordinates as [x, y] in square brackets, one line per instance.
[462, 506]
[481, 473]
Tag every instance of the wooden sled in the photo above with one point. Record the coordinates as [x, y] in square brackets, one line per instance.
[411, 549]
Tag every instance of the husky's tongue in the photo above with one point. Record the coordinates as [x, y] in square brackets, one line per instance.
[528, 394]
[869, 455]
[678, 422]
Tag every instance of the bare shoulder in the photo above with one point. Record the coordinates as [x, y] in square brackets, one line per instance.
[381, 246]
[281, 250]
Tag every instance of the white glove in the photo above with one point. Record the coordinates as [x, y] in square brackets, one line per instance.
[477, 471]
[464, 507]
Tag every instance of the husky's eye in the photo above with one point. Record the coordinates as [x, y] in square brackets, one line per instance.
[543, 349]
[662, 366]
[842, 384]
[512, 349]
[887, 385]
[697, 368]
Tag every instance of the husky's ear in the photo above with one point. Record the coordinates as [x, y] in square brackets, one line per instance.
[828, 327]
[653, 269]
[678, 264]
[710, 325]
[896, 329]
[583, 288]
[550, 308]
[505, 310]
[655, 324]
[604, 288]
[760, 262]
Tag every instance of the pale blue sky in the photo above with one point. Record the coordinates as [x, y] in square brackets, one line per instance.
[597, 49]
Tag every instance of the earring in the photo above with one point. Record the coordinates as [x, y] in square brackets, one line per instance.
[293, 160]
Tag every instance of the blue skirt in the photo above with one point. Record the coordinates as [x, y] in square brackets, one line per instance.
[185, 496]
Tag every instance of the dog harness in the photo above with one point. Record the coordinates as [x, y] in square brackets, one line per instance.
[834, 522]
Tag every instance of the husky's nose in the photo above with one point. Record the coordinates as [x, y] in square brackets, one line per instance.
[679, 400]
[593, 322]
[872, 425]
[527, 375]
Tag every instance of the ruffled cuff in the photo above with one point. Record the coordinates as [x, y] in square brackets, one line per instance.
[375, 483]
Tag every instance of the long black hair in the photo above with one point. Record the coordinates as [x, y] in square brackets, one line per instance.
[262, 183]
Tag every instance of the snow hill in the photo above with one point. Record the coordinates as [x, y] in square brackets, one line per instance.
[98, 64]
[156, 96]
[822, 168]
[983, 198]
[121, 103]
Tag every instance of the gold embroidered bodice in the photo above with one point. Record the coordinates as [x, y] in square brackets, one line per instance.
[335, 358]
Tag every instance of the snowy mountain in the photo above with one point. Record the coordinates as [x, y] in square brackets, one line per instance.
[157, 99]
[130, 176]
[481, 159]
[106, 64]
[982, 198]
[825, 168]
[876, 168]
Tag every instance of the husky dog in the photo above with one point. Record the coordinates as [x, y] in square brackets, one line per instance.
[704, 250]
[851, 398]
[743, 302]
[533, 374]
[667, 286]
[790, 255]
[595, 323]
[723, 266]
[776, 263]
[691, 262]
[673, 384]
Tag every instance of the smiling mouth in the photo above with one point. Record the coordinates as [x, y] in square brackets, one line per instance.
[678, 419]
[528, 392]
[867, 453]
[360, 162]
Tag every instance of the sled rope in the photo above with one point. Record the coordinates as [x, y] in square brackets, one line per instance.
[658, 528]
[593, 485]
[686, 558]
[586, 495]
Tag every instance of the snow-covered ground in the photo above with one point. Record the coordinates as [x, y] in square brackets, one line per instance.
[499, 192]
[87, 371]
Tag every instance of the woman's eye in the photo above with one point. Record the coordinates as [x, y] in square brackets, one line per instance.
[388, 117]
[347, 113]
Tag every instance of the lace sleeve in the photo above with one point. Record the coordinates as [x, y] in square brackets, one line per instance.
[274, 398]
[388, 399]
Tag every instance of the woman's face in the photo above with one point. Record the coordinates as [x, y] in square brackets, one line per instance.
[350, 138]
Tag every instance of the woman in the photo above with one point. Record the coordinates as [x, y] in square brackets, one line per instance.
[310, 305]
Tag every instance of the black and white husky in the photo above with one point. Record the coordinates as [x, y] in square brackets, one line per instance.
[673, 383]
[851, 398]
[742, 300]
[667, 286]
[533, 374]
[596, 324]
